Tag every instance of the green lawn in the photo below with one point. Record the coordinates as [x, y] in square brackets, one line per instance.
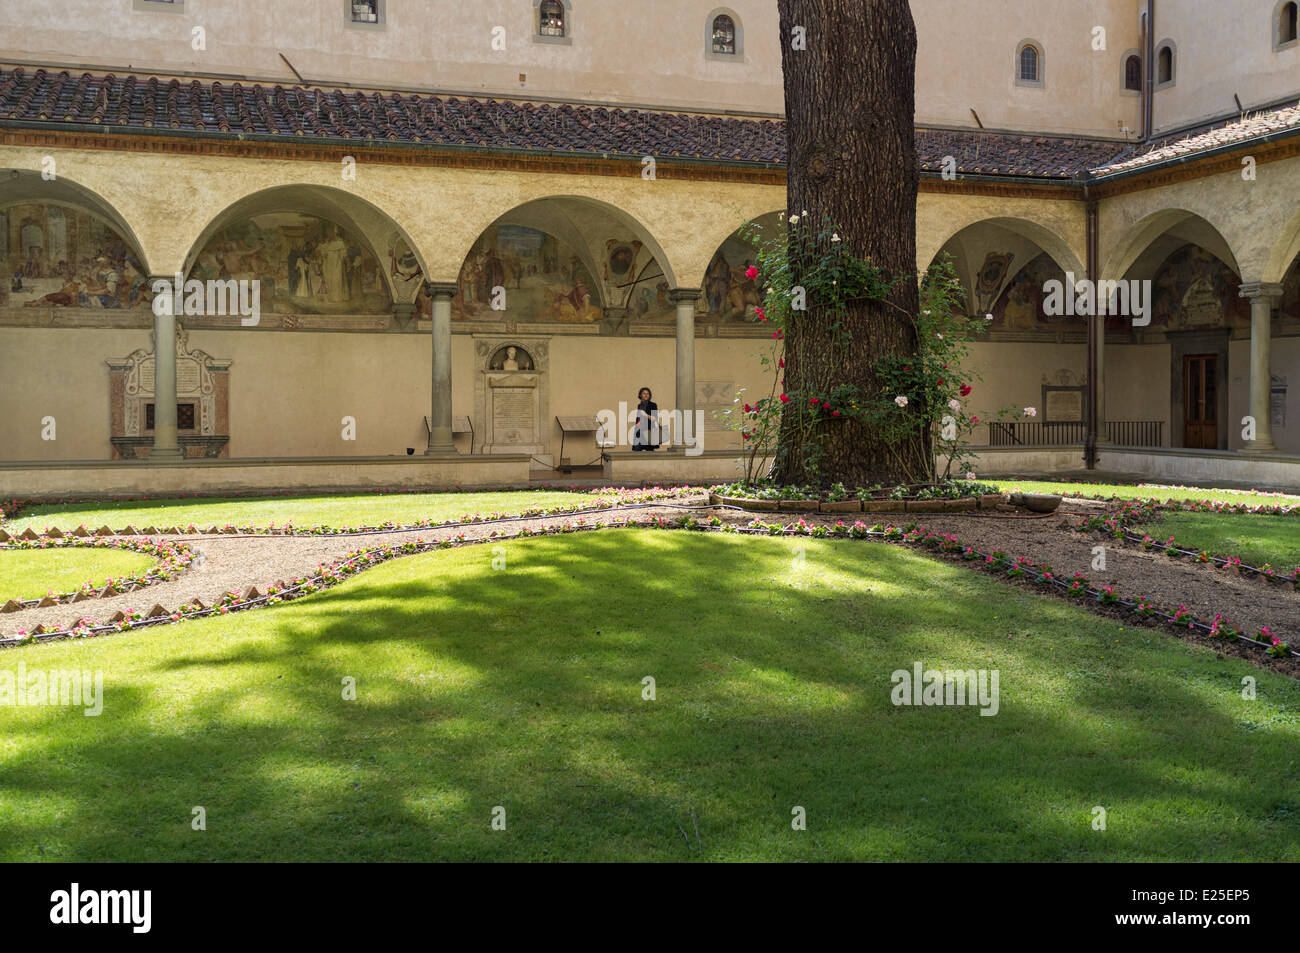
[350, 510]
[1130, 491]
[521, 687]
[1255, 539]
[31, 573]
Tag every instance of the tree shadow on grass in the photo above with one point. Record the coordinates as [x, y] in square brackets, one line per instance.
[523, 688]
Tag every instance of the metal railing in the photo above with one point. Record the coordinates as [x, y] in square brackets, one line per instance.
[1035, 433]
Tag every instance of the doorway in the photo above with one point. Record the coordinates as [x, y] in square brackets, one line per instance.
[1201, 401]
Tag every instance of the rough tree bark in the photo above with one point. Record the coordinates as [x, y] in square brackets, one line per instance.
[851, 158]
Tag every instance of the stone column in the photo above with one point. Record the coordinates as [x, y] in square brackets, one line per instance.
[166, 446]
[440, 438]
[1262, 297]
[685, 299]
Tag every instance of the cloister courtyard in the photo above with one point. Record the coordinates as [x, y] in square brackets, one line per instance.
[801, 430]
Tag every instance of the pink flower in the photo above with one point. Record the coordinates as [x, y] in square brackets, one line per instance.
[751, 272]
[900, 400]
[785, 398]
[974, 420]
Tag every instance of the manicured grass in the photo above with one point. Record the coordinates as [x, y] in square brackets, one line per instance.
[1255, 539]
[522, 687]
[351, 510]
[31, 573]
[1135, 492]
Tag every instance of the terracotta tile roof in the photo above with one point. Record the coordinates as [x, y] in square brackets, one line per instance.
[216, 107]
[231, 108]
[1003, 153]
[1205, 138]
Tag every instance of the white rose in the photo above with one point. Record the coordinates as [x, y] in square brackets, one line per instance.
[900, 400]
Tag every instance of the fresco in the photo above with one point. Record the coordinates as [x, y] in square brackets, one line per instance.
[543, 278]
[1020, 306]
[647, 297]
[307, 265]
[728, 294]
[1193, 289]
[60, 257]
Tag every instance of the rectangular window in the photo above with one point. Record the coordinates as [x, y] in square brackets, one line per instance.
[364, 14]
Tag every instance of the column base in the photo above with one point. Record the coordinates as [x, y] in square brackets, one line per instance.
[167, 453]
[1258, 447]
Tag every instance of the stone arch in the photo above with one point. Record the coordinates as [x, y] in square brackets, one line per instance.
[19, 186]
[971, 245]
[1284, 251]
[376, 229]
[588, 221]
[1172, 227]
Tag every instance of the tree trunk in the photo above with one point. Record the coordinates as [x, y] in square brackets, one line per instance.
[851, 160]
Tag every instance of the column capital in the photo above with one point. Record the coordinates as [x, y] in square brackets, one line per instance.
[678, 295]
[1261, 289]
[441, 289]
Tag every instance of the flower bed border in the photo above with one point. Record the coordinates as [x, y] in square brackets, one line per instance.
[944, 544]
[984, 501]
[174, 558]
[632, 494]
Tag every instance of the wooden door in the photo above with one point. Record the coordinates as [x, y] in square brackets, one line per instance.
[1201, 401]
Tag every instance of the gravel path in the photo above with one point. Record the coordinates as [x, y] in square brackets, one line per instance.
[229, 563]
[236, 562]
[1247, 603]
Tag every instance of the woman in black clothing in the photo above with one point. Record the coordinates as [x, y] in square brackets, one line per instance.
[647, 422]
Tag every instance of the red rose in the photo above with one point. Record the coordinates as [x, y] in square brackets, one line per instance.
[785, 398]
[966, 389]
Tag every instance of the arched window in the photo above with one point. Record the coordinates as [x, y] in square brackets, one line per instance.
[1166, 64]
[1133, 73]
[1029, 63]
[724, 34]
[550, 18]
[1288, 24]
